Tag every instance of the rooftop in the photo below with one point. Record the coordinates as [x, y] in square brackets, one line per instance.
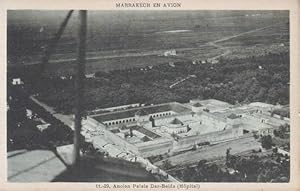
[176, 121]
[146, 110]
[211, 104]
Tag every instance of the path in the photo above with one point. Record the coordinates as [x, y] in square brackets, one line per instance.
[182, 80]
[226, 49]
[66, 119]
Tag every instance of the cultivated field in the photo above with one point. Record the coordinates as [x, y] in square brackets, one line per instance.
[120, 39]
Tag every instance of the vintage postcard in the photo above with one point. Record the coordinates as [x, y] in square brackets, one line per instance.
[150, 95]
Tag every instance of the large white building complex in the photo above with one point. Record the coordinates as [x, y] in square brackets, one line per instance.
[171, 127]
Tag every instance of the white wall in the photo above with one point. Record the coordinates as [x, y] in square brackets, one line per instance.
[213, 137]
[156, 147]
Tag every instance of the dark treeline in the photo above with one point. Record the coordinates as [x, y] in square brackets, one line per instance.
[262, 78]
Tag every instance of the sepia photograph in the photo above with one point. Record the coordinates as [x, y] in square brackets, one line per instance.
[148, 96]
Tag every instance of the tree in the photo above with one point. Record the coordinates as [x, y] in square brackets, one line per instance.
[275, 150]
[227, 154]
[167, 164]
[266, 142]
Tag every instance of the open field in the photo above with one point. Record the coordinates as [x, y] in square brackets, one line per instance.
[119, 40]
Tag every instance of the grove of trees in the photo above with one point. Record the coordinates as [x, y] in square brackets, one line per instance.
[262, 78]
[251, 168]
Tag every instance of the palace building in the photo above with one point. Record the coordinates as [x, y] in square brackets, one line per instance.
[171, 127]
